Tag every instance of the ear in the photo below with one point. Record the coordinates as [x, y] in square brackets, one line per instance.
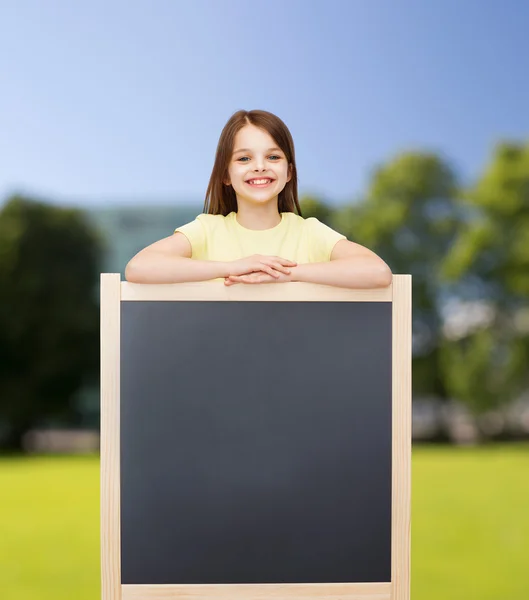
[289, 176]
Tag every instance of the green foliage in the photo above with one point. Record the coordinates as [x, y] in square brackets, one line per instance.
[409, 217]
[485, 369]
[49, 315]
[469, 244]
[488, 366]
[314, 207]
[495, 247]
[464, 244]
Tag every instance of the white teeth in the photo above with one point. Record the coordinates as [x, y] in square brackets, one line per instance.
[259, 181]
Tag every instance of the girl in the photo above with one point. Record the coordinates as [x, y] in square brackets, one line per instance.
[249, 231]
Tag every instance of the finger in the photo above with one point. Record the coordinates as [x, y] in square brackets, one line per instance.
[242, 278]
[283, 269]
[279, 266]
[253, 278]
[277, 269]
[273, 272]
[285, 261]
[270, 270]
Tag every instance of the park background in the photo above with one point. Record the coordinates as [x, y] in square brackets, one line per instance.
[411, 127]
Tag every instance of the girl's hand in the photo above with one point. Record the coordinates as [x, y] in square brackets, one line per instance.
[257, 278]
[258, 263]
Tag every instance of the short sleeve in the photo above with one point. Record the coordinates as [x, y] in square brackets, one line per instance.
[196, 234]
[322, 240]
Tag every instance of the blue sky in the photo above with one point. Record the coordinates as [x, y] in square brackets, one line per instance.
[125, 101]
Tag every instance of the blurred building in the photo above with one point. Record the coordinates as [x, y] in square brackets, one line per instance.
[128, 229]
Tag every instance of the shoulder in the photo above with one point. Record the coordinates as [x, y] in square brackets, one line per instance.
[208, 219]
[204, 224]
[311, 224]
[208, 222]
[322, 239]
[212, 221]
[295, 220]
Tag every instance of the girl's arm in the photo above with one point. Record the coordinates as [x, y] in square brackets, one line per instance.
[351, 266]
[169, 261]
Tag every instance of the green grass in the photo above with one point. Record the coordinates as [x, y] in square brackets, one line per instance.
[49, 528]
[470, 525]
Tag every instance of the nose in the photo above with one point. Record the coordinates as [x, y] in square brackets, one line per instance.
[259, 164]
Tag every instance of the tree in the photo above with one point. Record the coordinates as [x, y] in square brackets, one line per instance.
[50, 260]
[409, 217]
[486, 365]
[311, 206]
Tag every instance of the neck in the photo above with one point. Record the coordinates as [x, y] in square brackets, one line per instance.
[258, 217]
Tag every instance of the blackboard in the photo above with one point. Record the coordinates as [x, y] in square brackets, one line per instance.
[255, 442]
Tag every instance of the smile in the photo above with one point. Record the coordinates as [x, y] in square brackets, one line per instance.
[260, 182]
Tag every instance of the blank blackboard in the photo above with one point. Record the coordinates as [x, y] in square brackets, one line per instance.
[255, 442]
[259, 439]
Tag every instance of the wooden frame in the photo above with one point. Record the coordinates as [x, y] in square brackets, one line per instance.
[113, 292]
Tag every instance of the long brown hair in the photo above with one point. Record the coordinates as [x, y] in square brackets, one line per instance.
[220, 198]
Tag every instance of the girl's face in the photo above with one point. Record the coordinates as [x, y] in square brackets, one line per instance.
[257, 156]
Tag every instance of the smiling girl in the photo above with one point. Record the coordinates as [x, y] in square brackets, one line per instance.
[249, 231]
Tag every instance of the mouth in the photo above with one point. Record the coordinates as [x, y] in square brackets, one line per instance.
[260, 183]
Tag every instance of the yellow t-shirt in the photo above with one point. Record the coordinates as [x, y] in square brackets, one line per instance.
[222, 238]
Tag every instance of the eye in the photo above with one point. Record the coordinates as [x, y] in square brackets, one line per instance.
[271, 156]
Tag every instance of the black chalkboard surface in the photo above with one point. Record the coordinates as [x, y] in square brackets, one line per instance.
[255, 442]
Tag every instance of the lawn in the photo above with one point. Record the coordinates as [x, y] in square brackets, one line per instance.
[470, 525]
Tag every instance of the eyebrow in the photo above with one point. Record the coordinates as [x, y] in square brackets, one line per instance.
[248, 150]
